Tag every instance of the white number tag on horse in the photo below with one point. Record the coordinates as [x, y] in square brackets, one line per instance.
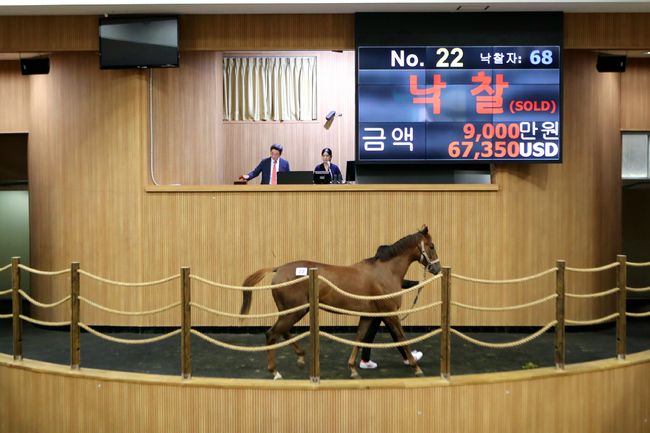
[301, 272]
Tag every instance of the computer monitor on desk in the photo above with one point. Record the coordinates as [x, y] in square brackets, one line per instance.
[295, 177]
[351, 172]
[321, 177]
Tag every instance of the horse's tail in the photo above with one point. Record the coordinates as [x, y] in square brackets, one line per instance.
[250, 281]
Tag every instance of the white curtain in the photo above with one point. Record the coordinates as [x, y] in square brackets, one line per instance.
[269, 88]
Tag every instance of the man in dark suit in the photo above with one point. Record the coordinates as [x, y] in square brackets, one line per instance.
[269, 167]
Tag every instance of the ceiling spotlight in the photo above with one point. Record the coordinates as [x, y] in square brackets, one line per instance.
[472, 8]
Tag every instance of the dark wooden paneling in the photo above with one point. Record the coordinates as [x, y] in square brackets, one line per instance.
[267, 32]
[635, 95]
[609, 31]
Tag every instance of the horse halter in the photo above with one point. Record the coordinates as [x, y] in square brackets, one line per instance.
[428, 267]
[423, 255]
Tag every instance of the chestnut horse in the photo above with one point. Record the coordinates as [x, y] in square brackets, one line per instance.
[378, 275]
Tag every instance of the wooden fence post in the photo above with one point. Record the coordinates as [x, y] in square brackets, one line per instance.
[560, 331]
[75, 338]
[445, 341]
[16, 306]
[621, 321]
[314, 365]
[186, 324]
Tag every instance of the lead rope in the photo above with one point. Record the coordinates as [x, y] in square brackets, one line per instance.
[424, 276]
[417, 296]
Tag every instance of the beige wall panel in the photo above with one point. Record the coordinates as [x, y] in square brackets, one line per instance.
[49, 33]
[14, 94]
[89, 204]
[246, 143]
[187, 121]
[606, 396]
[86, 164]
[607, 31]
[267, 32]
[188, 113]
[635, 95]
[559, 208]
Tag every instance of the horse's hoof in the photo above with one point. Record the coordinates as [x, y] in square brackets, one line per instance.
[355, 375]
[277, 376]
[419, 373]
[301, 361]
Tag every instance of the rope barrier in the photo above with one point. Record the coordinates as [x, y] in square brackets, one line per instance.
[508, 308]
[379, 345]
[602, 268]
[40, 304]
[37, 272]
[119, 283]
[4, 268]
[628, 263]
[646, 314]
[377, 314]
[129, 313]
[126, 341]
[639, 289]
[387, 296]
[39, 322]
[592, 322]
[249, 316]
[249, 288]
[592, 295]
[505, 345]
[512, 281]
[249, 348]
[6, 316]
[5, 292]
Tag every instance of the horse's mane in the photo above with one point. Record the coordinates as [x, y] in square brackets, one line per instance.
[387, 252]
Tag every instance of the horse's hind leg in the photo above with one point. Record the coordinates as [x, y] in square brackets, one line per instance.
[296, 348]
[280, 328]
[395, 328]
[362, 330]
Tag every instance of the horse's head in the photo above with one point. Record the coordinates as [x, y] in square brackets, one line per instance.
[428, 255]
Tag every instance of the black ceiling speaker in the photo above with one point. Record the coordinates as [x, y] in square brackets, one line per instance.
[607, 63]
[34, 66]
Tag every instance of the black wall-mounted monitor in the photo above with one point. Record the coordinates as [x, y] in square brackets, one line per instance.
[138, 41]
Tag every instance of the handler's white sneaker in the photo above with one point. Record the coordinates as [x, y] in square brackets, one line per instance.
[369, 365]
[416, 354]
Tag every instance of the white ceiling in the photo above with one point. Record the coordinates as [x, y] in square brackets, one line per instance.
[90, 7]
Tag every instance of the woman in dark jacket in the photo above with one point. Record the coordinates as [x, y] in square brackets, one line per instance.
[327, 165]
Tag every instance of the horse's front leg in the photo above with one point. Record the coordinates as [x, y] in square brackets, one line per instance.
[362, 330]
[395, 328]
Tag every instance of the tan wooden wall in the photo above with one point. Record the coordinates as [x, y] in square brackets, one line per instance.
[635, 95]
[188, 119]
[248, 142]
[14, 94]
[89, 165]
[605, 396]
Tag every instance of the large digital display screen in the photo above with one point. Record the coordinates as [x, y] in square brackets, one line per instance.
[458, 103]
